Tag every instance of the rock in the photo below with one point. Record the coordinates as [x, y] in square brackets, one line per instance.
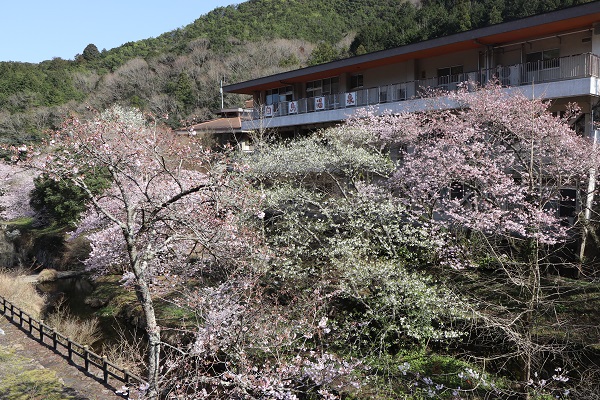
[96, 302]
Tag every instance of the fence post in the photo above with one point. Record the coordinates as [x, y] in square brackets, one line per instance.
[86, 358]
[105, 368]
[70, 349]
[20, 318]
[54, 339]
[41, 325]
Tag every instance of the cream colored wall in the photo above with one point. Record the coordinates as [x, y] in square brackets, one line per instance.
[573, 44]
[596, 40]
[468, 59]
[389, 74]
[509, 55]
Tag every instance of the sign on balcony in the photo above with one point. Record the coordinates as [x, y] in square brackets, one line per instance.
[350, 99]
[319, 103]
[293, 107]
[269, 111]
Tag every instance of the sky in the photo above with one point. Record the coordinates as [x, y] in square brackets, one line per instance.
[38, 30]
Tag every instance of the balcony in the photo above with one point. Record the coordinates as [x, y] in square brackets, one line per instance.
[540, 76]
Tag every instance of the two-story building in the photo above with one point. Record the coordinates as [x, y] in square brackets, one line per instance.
[552, 56]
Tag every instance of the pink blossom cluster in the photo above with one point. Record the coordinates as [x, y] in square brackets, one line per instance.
[16, 184]
[495, 163]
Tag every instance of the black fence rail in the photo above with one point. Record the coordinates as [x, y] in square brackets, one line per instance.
[74, 352]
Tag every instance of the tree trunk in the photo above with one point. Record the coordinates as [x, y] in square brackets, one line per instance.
[154, 342]
[532, 304]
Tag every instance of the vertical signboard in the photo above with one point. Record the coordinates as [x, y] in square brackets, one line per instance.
[350, 99]
[319, 103]
[293, 107]
[269, 111]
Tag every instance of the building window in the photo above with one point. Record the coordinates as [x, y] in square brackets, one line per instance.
[279, 95]
[450, 74]
[323, 87]
[542, 59]
[356, 81]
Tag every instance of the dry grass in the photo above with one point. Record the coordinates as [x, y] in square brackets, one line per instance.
[128, 352]
[84, 332]
[21, 293]
[47, 275]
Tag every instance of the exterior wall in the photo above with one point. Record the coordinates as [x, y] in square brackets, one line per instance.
[575, 44]
[390, 74]
[509, 55]
[468, 59]
[596, 39]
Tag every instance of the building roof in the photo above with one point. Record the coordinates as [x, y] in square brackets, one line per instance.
[541, 25]
[216, 126]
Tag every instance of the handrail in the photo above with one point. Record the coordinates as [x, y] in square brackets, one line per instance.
[559, 69]
[89, 359]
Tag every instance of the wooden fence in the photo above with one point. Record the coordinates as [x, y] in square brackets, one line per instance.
[74, 352]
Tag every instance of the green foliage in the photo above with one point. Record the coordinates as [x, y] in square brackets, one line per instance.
[289, 62]
[24, 86]
[331, 228]
[324, 52]
[384, 307]
[421, 374]
[408, 23]
[184, 91]
[62, 201]
[90, 53]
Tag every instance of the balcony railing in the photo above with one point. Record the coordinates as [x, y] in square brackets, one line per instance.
[553, 70]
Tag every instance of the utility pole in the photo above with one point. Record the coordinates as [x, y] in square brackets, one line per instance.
[591, 189]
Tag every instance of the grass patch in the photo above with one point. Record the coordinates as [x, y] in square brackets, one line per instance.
[20, 223]
[170, 314]
[421, 374]
[108, 290]
[121, 302]
[21, 380]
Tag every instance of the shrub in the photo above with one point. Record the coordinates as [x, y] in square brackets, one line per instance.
[47, 275]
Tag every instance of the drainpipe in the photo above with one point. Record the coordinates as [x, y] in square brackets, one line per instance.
[221, 91]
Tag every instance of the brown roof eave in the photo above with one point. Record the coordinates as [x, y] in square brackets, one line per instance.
[576, 17]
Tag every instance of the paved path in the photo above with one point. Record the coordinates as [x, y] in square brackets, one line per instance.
[77, 382]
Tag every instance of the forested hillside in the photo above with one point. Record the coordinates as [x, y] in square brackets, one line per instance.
[178, 73]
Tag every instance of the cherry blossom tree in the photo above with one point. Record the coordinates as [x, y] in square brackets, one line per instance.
[171, 209]
[491, 168]
[15, 185]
